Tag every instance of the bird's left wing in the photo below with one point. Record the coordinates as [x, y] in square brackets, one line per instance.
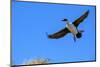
[59, 34]
[80, 19]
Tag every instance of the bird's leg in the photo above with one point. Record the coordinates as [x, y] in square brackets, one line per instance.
[81, 31]
[74, 38]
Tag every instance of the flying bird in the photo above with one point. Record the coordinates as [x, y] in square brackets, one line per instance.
[70, 28]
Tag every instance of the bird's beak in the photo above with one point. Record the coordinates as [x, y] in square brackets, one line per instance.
[62, 20]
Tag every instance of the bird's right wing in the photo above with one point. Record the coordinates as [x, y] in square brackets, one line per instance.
[59, 34]
[80, 19]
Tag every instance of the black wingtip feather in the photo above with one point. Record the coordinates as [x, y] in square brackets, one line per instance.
[87, 12]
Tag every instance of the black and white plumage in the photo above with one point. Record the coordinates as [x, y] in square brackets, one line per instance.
[70, 28]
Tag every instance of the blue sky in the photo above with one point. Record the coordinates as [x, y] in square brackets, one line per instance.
[31, 21]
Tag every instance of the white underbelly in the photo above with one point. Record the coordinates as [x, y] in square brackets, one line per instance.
[72, 29]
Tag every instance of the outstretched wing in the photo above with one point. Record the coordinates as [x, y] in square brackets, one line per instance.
[80, 19]
[59, 34]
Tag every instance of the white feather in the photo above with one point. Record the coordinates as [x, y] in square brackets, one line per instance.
[72, 28]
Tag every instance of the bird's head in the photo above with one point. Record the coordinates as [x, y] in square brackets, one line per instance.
[65, 20]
